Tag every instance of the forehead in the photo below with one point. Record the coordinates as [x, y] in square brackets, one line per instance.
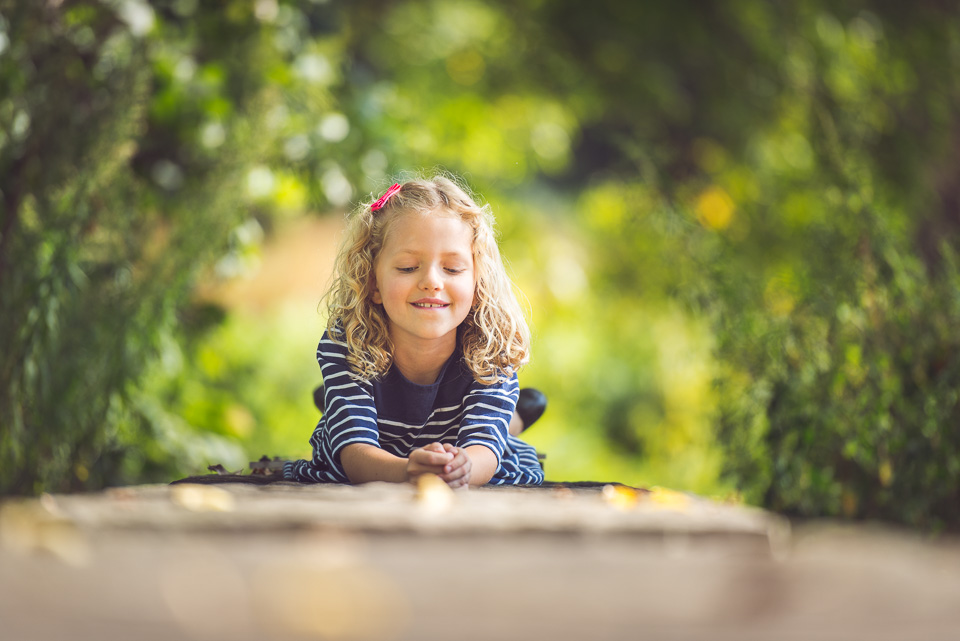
[433, 231]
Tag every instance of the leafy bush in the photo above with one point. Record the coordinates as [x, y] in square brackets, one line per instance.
[125, 135]
[740, 217]
[851, 409]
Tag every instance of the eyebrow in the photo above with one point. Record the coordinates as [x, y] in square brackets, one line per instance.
[449, 253]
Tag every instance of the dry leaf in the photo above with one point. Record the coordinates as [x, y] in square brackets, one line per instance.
[433, 493]
[670, 499]
[620, 497]
[267, 466]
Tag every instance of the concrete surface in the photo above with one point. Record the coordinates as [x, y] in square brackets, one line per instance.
[379, 561]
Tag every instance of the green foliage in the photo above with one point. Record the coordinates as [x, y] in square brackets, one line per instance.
[125, 133]
[853, 417]
[778, 179]
[248, 379]
[735, 225]
[831, 318]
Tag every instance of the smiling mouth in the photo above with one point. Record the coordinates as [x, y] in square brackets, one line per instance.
[429, 305]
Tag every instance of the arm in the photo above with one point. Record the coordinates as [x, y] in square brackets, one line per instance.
[364, 463]
[483, 430]
[484, 462]
[350, 415]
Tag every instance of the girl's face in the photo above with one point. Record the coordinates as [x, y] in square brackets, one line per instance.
[424, 278]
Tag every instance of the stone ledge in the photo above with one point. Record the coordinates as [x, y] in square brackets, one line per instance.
[241, 562]
[396, 508]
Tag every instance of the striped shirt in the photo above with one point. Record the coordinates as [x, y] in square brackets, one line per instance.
[399, 416]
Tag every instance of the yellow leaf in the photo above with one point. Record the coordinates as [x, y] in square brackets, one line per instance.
[669, 499]
[620, 497]
[433, 493]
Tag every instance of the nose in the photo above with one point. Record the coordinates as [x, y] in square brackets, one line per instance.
[431, 280]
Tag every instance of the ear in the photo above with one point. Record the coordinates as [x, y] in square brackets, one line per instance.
[375, 291]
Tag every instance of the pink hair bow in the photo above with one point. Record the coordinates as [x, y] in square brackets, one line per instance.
[384, 198]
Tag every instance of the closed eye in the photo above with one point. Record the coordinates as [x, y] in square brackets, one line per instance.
[406, 270]
[455, 270]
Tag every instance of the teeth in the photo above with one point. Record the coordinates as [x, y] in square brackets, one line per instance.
[428, 305]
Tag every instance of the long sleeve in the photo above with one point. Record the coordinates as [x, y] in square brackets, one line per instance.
[486, 415]
[486, 420]
[399, 416]
[349, 416]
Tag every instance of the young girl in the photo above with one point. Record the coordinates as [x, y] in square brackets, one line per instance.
[422, 346]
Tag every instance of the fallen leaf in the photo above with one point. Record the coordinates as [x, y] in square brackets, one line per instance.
[267, 466]
[620, 497]
[670, 499]
[433, 493]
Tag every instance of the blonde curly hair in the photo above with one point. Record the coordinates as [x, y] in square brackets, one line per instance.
[494, 337]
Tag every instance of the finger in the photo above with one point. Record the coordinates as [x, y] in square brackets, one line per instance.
[454, 452]
[414, 470]
[460, 484]
[459, 460]
[434, 447]
[455, 474]
[425, 457]
[453, 464]
[456, 482]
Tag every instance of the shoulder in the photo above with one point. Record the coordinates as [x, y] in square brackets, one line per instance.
[337, 359]
[503, 391]
[501, 382]
[332, 348]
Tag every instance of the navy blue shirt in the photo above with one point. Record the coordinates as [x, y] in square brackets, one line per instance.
[400, 416]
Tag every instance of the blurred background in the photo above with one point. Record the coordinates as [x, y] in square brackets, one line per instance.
[734, 226]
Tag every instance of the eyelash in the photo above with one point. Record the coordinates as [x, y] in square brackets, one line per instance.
[410, 270]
